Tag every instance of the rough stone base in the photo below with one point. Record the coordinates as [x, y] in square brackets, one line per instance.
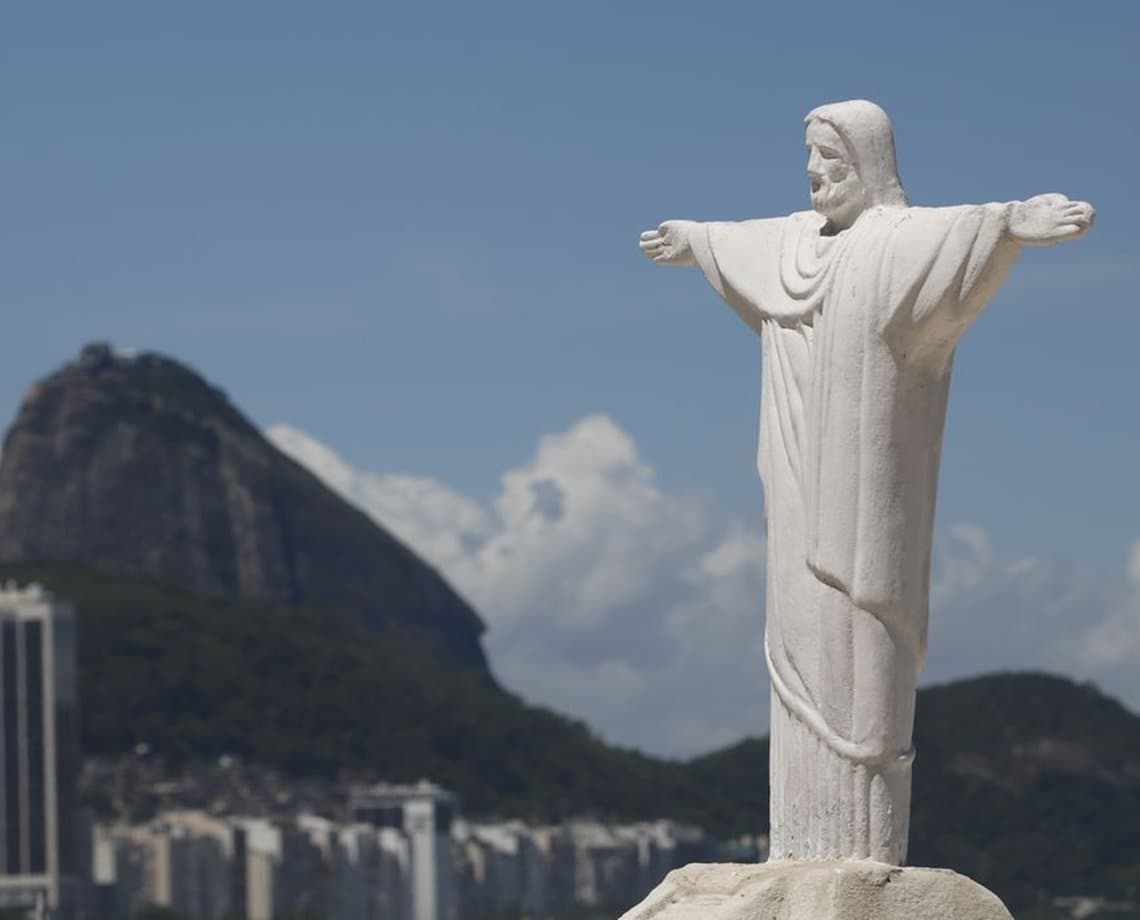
[850, 890]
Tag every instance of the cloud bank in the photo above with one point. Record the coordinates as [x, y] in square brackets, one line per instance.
[640, 611]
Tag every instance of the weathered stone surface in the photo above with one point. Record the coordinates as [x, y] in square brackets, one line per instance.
[850, 890]
[138, 466]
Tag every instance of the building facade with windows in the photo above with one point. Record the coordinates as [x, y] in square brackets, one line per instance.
[39, 752]
[424, 813]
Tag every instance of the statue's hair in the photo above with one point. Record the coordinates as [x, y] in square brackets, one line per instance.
[866, 130]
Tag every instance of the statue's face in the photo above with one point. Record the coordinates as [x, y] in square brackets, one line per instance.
[836, 190]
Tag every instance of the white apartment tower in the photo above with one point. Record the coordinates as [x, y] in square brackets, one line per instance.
[424, 812]
[39, 752]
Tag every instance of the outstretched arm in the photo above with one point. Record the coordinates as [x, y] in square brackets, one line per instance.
[1047, 219]
[947, 263]
[671, 243]
[739, 259]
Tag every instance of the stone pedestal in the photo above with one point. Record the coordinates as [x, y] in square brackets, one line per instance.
[847, 890]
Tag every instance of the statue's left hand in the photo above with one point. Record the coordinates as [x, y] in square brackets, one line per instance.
[1047, 219]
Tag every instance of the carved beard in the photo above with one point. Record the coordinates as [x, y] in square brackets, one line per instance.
[839, 201]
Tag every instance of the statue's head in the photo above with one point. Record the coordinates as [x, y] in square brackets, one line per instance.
[851, 161]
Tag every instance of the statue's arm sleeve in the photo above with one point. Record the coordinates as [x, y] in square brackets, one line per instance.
[738, 259]
[944, 265]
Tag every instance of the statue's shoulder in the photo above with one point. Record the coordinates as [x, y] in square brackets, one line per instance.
[925, 214]
[799, 223]
[752, 231]
[893, 215]
[907, 222]
[921, 225]
[804, 218]
[767, 222]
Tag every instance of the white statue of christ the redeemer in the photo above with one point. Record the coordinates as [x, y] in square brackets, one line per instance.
[860, 303]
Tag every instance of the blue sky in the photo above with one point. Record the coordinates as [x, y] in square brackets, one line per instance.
[409, 230]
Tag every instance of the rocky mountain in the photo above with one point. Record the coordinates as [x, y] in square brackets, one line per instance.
[138, 466]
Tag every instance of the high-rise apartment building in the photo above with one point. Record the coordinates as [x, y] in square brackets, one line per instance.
[39, 752]
[424, 812]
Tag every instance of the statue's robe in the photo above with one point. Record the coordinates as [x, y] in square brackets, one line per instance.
[858, 337]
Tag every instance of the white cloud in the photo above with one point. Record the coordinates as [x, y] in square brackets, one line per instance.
[606, 597]
[991, 612]
[1112, 647]
[438, 523]
[640, 610]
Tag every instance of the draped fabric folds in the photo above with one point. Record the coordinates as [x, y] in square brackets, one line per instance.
[858, 336]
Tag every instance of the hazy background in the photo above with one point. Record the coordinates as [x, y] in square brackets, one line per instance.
[405, 236]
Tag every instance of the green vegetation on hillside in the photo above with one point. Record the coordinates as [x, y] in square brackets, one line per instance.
[1028, 782]
[308, 690]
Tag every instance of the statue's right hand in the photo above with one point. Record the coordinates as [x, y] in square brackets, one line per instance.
[669, 244]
